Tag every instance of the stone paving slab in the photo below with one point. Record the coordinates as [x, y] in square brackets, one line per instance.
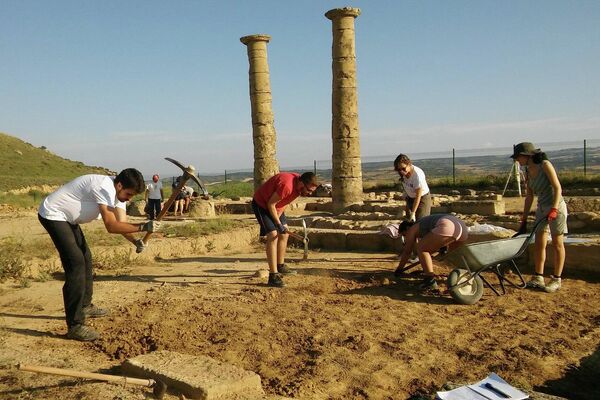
[196, 377]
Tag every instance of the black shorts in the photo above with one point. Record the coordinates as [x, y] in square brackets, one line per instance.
[265, 220]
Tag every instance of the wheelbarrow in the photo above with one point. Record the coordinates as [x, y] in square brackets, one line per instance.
[466, 282]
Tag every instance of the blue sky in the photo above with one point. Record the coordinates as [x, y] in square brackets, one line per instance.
[126, 83]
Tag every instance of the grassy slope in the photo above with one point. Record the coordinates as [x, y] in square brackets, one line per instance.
[23, 165]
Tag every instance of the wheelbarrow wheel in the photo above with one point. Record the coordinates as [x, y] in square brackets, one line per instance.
[462, 289]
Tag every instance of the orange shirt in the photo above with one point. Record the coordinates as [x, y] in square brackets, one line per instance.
[284, 184]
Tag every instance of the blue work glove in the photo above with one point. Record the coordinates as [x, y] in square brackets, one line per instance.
[281, 228]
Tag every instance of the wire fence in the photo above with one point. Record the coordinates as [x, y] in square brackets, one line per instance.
[580, 158]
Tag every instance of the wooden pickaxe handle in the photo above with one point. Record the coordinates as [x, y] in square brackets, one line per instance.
[88, 375]
[296, 236]
[303, 239]
[167, 205]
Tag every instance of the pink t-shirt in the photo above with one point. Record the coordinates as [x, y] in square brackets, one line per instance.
[284, 185]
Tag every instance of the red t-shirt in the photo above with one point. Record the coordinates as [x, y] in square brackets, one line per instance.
[284, 185]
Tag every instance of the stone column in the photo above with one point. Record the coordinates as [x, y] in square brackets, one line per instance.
[346, 170]
[263, 128]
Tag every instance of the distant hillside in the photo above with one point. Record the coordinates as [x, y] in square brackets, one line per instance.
[23, 165]
[567, 160]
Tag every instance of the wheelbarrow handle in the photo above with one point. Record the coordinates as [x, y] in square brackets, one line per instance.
[535, 227]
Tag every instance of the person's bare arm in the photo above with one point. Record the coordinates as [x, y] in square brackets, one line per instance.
[553, 178]
[122, 217]
[409, 243]
[113, 225]
[419, 192]
[528, 203]
[272, 209]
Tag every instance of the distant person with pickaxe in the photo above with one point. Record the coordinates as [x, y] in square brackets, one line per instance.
[154, 196]
[269, 203]
[83, 200]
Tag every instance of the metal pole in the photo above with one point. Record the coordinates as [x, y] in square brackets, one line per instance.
[584, 158]
[315, 167]
[453, 167]
[225, 176]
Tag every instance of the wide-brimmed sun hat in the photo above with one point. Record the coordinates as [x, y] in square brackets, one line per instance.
[525, 148]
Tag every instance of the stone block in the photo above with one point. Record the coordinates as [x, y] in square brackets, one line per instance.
[328, 240]
[583, 257]
[233, 208]
[481, 207]
[202, 209]
[196, 377]
[136, 208]
[365, 241]
[440, 209]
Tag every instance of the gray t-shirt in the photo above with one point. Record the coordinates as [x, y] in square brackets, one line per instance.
[426, 224]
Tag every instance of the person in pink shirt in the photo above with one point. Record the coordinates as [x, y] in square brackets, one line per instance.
[269, 203]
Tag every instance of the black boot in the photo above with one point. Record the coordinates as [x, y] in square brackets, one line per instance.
[275, 280]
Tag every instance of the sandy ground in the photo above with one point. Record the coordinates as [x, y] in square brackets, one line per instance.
[343, 328]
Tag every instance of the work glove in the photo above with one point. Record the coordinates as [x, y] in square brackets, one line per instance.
[139, 246]
[281, 228]
[412, 217]
[150, 226]
[552, 214]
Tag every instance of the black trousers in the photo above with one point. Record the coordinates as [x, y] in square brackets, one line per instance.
[153, 208]
[76, 260]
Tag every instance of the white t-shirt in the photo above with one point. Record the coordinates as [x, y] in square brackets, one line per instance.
[77, 202]
[416, 180]
[154, 190]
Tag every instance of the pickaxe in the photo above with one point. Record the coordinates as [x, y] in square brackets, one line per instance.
[189, 172]
[303, 239]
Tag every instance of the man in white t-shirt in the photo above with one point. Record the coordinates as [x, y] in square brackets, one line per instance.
[154, 196]
[418, 199]
[82, 200]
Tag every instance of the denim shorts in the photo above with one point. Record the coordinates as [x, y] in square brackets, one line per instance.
[265, 220]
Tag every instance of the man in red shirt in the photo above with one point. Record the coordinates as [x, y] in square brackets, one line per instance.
[268, 204]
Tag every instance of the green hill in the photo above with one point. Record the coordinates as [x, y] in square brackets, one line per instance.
[23, 165]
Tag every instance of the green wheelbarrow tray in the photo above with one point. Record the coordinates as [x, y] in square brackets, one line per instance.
[466, 283]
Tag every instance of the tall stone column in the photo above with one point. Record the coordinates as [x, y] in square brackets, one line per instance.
[263, 128]
[346, 170]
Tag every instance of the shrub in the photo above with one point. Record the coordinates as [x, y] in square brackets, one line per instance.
[12, 263]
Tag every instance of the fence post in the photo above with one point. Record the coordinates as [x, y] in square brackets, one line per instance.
[453, 167]
[225, 176]
[584, 158]
[315, 167]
